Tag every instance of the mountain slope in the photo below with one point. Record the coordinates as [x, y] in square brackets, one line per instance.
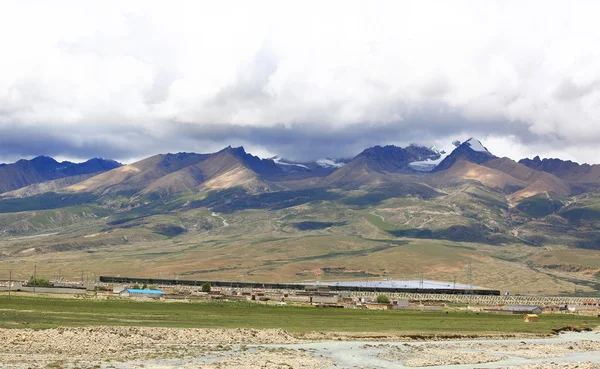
[565, 169]
[231, 167]
[471, 150]
[374, 217]
[379, 164]
[48, 186]
[463, 170]
[42, 168]
[530, 176]
[136, 176]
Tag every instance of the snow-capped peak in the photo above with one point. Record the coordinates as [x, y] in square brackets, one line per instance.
[436, 150]
[477, 146]
[432, 148]
[329, 163]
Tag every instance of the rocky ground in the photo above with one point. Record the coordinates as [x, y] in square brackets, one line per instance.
[133, 347]
[432, 354]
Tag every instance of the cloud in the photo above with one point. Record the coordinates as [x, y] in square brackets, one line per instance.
[302, 80]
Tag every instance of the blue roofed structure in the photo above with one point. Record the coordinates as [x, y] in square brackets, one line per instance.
[132, 292]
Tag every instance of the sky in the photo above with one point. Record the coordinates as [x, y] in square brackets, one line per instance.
[299, 79]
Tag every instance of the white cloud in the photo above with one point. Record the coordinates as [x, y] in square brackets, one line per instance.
[122, 74]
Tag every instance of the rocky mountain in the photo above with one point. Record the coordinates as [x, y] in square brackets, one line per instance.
[472, 161]
[565, 169]
[136, 176]
[319, 168]
[229, 213]
[471, 150]
[42, 168]
[381, 164]
[393, 159]
[175, 173]
[230, 167]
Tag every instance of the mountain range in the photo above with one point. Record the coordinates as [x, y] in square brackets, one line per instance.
[314, 216]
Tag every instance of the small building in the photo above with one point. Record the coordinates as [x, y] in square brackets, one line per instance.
[132, 292]
[399, 304]
[319, 289]
[117, 289]
[524, 309]
[531, 318]
[324, 299]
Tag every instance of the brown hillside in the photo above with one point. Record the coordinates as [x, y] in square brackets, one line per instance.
[138, 175]
[464, 170]
[530, 176]
[533, 189]
[223, 170]
[48, 186]
[354, 174]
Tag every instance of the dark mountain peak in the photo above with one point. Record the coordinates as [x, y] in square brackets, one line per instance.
[101, 160]
[44, 168]
[263, 167]
[233, 150]
[471, 150]
[392, 158]
[95, 165]
[44, 163]
[565, 169]
[547, 162]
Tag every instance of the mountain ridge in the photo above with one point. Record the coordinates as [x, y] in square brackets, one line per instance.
[43, 168]
[229, 213]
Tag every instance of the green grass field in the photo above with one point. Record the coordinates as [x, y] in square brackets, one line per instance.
[40, 313]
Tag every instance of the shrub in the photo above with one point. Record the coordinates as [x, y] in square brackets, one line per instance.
[383, 299]
[206, 287]
[38, 282]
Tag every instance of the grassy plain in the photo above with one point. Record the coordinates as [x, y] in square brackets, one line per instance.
[41, 313]
[300, 240]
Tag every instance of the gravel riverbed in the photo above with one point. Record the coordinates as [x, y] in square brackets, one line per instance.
[132, 347]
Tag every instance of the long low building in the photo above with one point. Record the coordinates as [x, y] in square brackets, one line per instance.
[385, 287]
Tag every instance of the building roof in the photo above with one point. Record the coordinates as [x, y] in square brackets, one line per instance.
[522, 307]
[150, 292]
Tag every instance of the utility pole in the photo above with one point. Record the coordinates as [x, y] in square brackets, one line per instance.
[9, 282]
[470, 277]
[421, 278]
[34, 275]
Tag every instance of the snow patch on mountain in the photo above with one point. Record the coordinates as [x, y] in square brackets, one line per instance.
[280, 161]
[329, 163]
[429, 164]
[476, 145]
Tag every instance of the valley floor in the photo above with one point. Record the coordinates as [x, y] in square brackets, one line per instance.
[121, 333]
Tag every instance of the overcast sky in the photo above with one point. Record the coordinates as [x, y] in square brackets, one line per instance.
[303, 80]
